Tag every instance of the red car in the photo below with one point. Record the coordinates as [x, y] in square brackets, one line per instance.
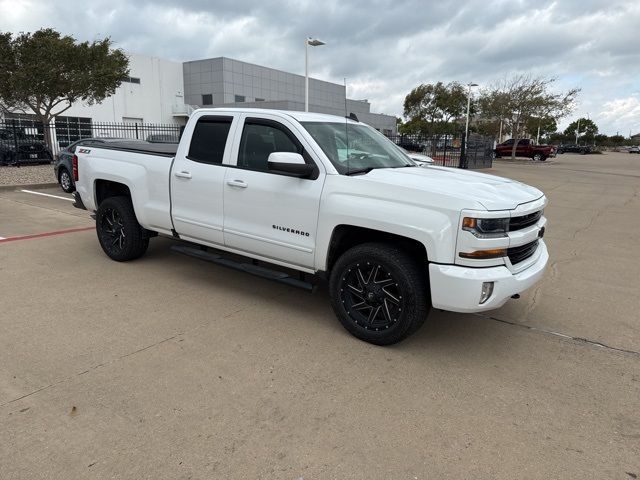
[525, 148]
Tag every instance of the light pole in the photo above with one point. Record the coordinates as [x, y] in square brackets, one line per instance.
[578, 132]
[314, 42]
[466, 128]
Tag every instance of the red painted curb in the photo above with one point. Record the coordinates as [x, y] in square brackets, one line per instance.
[46, 234]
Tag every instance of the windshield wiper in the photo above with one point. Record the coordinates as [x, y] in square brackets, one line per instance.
[359, 171]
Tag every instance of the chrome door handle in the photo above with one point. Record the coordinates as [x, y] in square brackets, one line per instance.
[183, 174]
[237, 183]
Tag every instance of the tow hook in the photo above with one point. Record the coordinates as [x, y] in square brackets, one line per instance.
[516, 296]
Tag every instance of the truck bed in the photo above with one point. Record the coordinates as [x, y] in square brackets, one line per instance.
[162, 149]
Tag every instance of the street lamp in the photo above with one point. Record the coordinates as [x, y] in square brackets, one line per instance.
[466, 129]
[314, 42]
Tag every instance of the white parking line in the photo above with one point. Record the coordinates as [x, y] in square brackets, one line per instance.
[48, 195]
[1, 238]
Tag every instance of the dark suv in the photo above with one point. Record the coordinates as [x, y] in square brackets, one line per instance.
[63, 166]
[17, 148]
[581, 149]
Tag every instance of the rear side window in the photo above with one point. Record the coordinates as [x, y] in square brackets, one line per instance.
[208, 140]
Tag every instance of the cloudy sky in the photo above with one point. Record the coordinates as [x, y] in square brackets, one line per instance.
[383, 47]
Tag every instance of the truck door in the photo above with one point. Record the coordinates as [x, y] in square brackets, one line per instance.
[271, 215]
[197, 180]
[524, 148]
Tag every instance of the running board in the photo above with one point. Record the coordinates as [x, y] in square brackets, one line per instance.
[257, 270]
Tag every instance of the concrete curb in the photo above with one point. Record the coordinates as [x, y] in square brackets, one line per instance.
[37, 186]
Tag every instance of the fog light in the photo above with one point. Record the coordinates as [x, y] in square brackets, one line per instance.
[487, 290]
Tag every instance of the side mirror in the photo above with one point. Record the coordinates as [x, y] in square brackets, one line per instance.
[291, 164]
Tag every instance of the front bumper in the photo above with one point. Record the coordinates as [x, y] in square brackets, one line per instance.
[457, 288]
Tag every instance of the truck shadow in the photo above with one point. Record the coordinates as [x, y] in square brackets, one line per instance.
[453, 333]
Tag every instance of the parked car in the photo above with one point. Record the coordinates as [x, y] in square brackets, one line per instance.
[63, 164]
[581, 149]
[391, 238]
[635, 149]
[525, 148]
[162, 138]
[410, 144]
[419, 158]
[18, 148]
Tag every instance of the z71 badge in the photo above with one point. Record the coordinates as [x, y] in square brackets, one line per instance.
[84, 150]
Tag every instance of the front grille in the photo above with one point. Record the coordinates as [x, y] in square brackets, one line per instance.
[518, 254]
[524, 221]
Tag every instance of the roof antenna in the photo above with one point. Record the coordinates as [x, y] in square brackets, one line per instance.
[346, 123]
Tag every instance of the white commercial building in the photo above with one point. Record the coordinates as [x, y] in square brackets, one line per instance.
[153, 92]
[151, 101]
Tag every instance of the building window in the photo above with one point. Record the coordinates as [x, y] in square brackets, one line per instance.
[259, 99]
[64, 131]
[132, 80]
[239, 98]
[207, 99]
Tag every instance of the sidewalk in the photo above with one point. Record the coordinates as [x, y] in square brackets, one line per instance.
[27, 175]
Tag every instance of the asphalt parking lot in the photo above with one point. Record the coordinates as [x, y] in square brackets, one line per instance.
[170, 367]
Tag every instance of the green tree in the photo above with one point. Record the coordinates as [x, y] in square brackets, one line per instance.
[617, 140]
[431, 108]
[516, 100]
[541, 127]
[584, 129]
[494, 109]
[46, 73]
[601, 139]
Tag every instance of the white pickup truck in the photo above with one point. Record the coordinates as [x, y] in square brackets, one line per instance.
[306, 196]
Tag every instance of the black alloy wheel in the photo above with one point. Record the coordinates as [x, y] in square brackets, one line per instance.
[371, 296]
[119, 233]
[380, 292]
[112, 230]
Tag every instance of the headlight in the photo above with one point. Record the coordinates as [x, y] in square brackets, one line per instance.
[486, 227]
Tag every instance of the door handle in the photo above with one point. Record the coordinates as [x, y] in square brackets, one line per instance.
[237, 183]
[183, 174]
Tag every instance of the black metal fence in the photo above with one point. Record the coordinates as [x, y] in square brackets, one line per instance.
[478, 152]
[24, 140]
[450, 150]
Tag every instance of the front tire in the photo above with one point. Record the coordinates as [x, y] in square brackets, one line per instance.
[538, 157]
[65, 181]
[379, 293]
[119, 233]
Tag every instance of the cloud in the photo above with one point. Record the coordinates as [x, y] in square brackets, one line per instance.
[622, 111]
[383, 47]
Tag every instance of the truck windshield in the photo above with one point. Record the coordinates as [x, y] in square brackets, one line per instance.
[356, 148]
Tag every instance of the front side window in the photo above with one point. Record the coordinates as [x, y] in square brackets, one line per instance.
[356, 148]
[209, 139]
[259, 141]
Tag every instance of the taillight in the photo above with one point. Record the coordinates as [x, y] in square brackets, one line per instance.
[74, 160]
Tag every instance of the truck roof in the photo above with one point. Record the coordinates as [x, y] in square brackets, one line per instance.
[299, 116]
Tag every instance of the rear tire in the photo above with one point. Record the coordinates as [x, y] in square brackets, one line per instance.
[538, 157]
[64, 179]
[379, 293]
[119, 233]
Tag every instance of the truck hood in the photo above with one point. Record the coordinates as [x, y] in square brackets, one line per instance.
[493, 193]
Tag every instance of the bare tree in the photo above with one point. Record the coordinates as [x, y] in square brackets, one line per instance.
[517, 99]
